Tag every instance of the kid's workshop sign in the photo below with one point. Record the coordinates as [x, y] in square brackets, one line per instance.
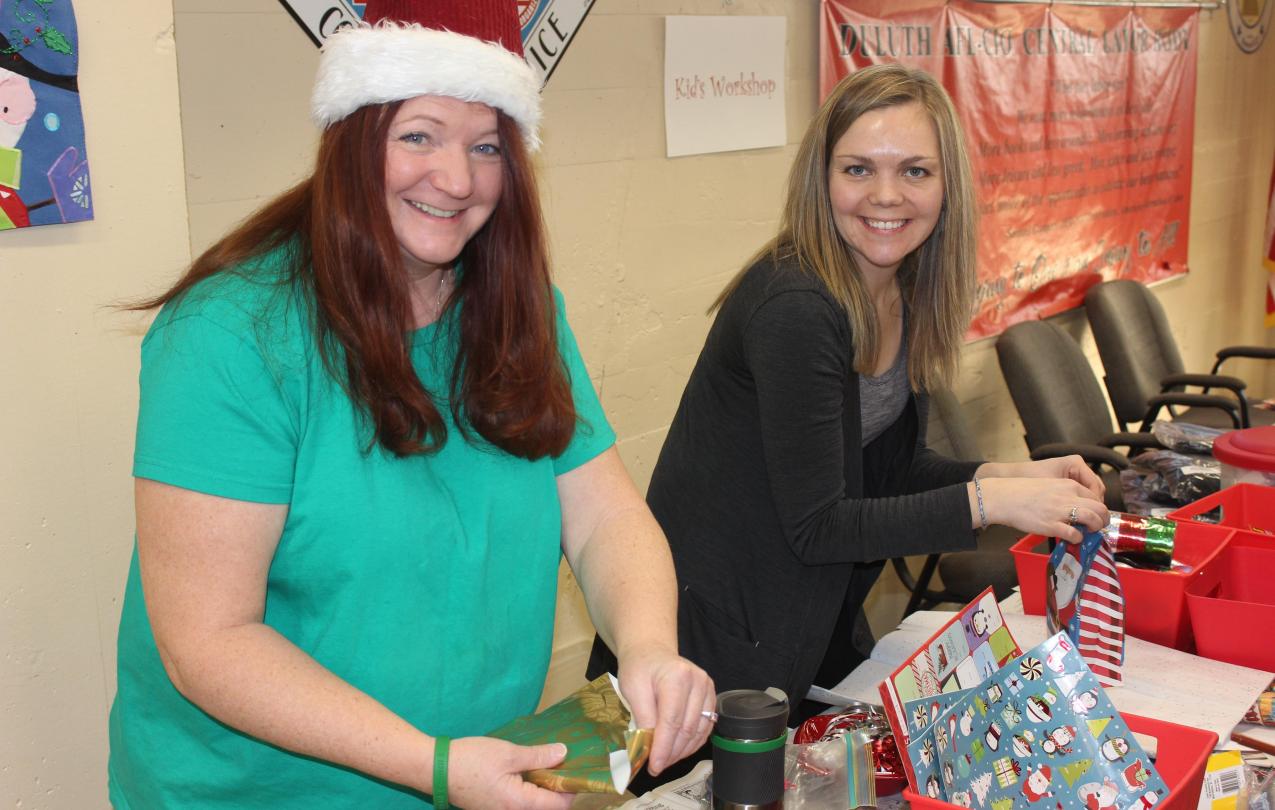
[548, 26]
[1080, 126]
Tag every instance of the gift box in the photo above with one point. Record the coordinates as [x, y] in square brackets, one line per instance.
[1155, 601]
[1232, 603]
[1181, 753]
[1244, 506]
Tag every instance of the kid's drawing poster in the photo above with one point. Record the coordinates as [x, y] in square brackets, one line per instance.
[961, 655]
[44, 170]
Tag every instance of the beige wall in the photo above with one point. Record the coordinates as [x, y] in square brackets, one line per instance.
[641, 244]
[69, 366]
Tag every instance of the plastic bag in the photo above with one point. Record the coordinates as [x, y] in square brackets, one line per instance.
[1185, 437]
[1137, 499]
[831, 773]
[1174, 478]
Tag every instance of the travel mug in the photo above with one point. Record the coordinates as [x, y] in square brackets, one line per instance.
[748, 749]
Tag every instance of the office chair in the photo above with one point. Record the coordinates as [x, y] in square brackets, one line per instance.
[1062, 407]
[1142, 363]
[964, 574]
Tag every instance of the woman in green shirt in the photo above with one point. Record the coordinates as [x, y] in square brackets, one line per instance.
[365, 440]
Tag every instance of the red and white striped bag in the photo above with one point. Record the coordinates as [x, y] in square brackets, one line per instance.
[1083, 597]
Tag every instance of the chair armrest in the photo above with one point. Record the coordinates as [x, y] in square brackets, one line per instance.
[1091, 453]
[1142, 441]
[1203, 381]
[1255, 352]
[1235, 410]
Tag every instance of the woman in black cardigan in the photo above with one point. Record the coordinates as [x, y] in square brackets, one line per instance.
[796, 464]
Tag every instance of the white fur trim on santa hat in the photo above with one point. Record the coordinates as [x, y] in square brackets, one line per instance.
[390, 62]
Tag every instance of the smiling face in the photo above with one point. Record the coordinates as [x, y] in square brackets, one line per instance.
[443, 175]
[885, 185]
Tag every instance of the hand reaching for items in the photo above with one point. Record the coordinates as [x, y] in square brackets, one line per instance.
[671, 695]
[1073, 467]
[1052, 507]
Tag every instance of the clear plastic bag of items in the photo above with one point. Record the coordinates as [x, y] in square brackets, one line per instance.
[830, 773]
[1168, 478]
[1185, 437]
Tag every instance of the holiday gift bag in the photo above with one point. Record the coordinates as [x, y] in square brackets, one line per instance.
[1083, 597]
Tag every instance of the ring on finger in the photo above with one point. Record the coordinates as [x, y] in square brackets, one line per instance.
[1072, 517]
[709, 715]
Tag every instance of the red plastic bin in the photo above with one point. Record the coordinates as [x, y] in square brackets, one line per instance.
[1155, 601]
[1181, 752]
[1232, 603]
[1245, 506]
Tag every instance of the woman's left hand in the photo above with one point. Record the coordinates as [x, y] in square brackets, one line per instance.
[670, 694]
[1073, 467]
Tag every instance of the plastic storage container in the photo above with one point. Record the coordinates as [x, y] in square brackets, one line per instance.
[1155, 601]
[1247, 456]
[1244, 506]
[1232, 603]
[1181, 753]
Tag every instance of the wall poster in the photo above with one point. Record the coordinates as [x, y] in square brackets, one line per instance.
[44, 170]
[723, 83]
[1079, 120]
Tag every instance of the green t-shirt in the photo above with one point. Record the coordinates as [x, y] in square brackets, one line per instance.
[427, 582]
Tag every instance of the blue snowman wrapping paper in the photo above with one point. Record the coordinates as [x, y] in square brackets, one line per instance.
[1040, 734]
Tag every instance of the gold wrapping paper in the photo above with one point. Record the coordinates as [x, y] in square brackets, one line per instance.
[604, 750]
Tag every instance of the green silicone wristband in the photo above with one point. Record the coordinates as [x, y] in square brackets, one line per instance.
[441, 749]
[749, 746]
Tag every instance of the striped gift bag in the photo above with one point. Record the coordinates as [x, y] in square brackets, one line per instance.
[1083, 597]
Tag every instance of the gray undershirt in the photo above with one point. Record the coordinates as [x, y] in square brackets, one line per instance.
[882, 399]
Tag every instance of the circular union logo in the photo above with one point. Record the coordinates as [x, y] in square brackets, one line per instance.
[526, 11]
[1249, 21]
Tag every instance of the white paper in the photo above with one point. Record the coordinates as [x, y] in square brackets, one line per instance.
[723, 83]
[688, 793]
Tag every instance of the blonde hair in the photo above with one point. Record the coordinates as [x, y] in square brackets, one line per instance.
[937, 279]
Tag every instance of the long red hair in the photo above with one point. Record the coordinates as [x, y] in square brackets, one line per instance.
[509, 382]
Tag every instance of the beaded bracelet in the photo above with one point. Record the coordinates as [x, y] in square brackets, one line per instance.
[978, 493]
[441, 749]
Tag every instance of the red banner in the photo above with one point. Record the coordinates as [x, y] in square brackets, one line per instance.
[1080, 127]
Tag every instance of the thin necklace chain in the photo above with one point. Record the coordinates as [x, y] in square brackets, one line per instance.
[444, 283]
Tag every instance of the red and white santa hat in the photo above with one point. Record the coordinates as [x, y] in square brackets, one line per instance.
[465, 49]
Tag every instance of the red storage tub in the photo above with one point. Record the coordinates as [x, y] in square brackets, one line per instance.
[1181, 753]
[1232, 603]
[1155, 601]
[1244, 506]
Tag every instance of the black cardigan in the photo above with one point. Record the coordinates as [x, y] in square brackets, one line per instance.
[779, 522]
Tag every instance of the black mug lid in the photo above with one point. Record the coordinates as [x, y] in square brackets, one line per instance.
[750, 714]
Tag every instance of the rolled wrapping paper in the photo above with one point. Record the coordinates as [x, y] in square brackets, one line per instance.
[605, 750]
[1145, 542]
